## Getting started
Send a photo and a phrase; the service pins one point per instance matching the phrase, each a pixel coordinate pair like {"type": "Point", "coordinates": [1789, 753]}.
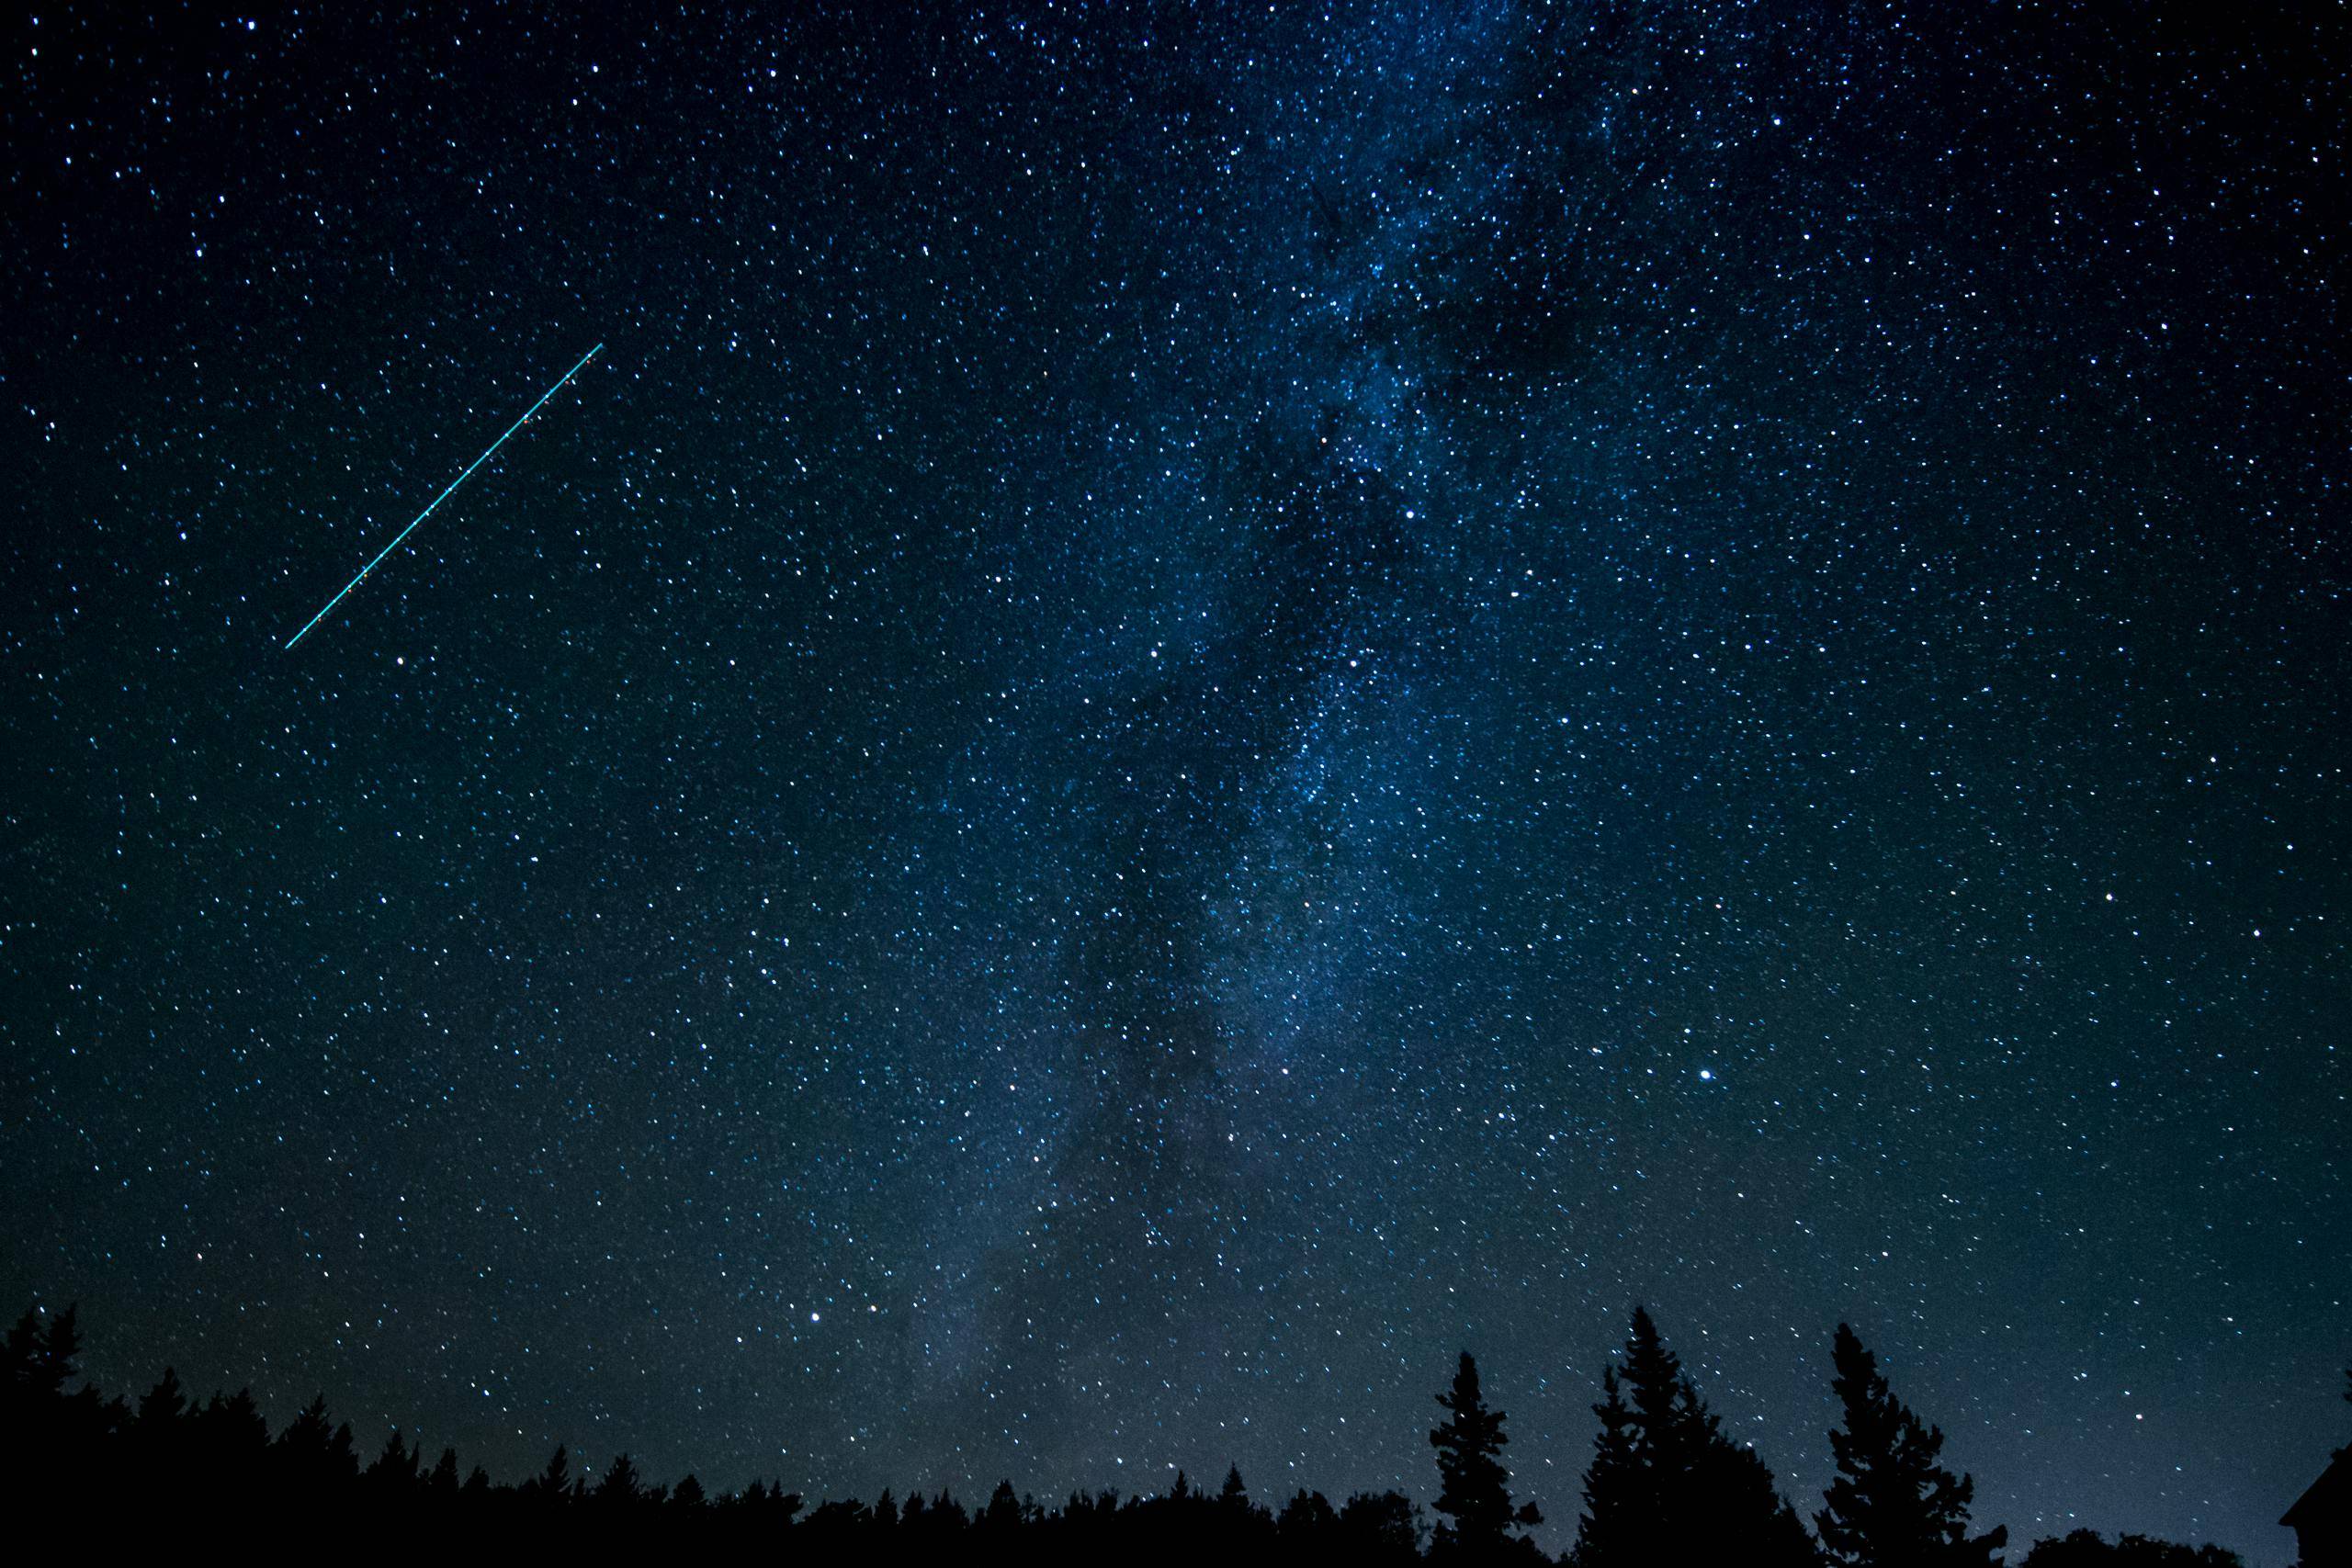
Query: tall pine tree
{"type": "Point", "coordinates": [1474, 1491]}
{"type": "Point", "coordinates": [1892, 1505]}
{"type": "Point", "coordinates": [1667, 1485]}
{"type": "Point", "coordinates": [1616, 1510]}
{"type": "Point", "coordinates": [553, 1484]}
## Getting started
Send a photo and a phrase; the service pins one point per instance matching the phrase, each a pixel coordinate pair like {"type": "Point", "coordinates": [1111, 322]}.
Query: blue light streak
{"type": "Point", "coordinates": [444, 495]}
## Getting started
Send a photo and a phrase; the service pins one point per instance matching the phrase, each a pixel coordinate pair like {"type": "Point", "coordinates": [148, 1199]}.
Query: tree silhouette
{"type": "Point", "coordinates": [1666, 1484]}
{"type": "Point", "coordinates": [622, 1485]}
{"type": "Point", "coordinates": [2087, 1548]}
{"type": "Point", "coordinates": [1380, 1527]}
{"type": "Point", "coordinates": [227, 1445]}
{"type": "Point", "coordinates": [392, 1476]}
{"type": "Point", "coordinates": [41, 1358]}
{"type": "Point", "coordinates": [1665, 1487]}
{"type": "Point", "coordinates": [232, 1429]}
{"type": "Point", "coordinates": [1891, 1505]}
{"type": "Point", "coordinates": [1617, 1501]}
{"type": "Point", "coordinates": [309, 1454]}
{"type": "Point", "coordinates": [1307, 1518]}
{"type": "Point", "coordinates": [553, 1484]}
{"type": "Point", "coordinates": [1003, 1514]}
{"type": "Point", "coordinates": [1474, 1491]}
{"type": "Point", "coordinates": [160, 1407]}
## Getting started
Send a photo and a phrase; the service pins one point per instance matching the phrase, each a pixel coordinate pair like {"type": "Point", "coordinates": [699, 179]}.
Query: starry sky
{"type": "Point", "coordinates": [1204, 701]}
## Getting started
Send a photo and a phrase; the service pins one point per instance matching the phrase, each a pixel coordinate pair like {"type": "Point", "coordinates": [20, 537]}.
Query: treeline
{"type": "Point", "coordinates": [1664, 1485]}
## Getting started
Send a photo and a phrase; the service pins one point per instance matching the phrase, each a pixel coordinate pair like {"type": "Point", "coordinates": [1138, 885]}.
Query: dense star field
{"type": "Point", "coordinates": [1203, 703]}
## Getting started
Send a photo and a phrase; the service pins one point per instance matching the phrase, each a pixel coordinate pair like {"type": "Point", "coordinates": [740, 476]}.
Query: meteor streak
{"type": "Point", "coordinates": [437, 500]}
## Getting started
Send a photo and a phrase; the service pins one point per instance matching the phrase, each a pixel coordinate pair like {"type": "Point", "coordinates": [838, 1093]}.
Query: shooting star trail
{"type": "Point", "coordinates": [444, 495]}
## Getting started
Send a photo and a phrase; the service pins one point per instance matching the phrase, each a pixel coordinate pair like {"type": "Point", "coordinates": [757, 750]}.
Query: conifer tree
{"type": "Point", "coordinates": [236, 1425]}
{"type": "Point", "coordinates": [23, 1354]}
{"type": "Point", "coordinates": [1307, 1518]}
{"type": "Point", "coordinates": [553, 1484]}
{"type": "Point", "coordinates": [392, 1474]}
{"type": "Point", "coordinates": [40, 1359]}
{"type": "Point", "coordinates": [1473, 1490]}
{"type": "Point", "coordinates": [1380, 1527]}
{"type": "Point", "coordinates": [621, 1485]}
{"type": "Point", "coordinates": [161, 1407]}
{"type": "Point", "coordinates": [1664, 1484]}
{"type": "Point", "coordinates": [343, 1455]}
{"type": "Point", "coordinates": [1891, 1504]}
{"type": "Point", "coordinates": [1609, 1530]}
{"type": "Point", "coordinates": [301, 1450]}
{"type": "Point", "coordinates": [2088, 1549]}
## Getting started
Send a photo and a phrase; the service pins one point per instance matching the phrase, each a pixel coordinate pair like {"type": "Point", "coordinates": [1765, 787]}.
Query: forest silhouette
{"type": "Point", "coordinates": [1664, 1485]}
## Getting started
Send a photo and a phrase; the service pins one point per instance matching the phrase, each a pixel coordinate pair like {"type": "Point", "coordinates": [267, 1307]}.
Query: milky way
{"type": "Point", "coordinates": [1203, 704]}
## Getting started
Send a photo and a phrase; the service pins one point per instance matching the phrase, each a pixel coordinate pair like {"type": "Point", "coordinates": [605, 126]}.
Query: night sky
{"type": "Point", "coordinates": [1203, 702]}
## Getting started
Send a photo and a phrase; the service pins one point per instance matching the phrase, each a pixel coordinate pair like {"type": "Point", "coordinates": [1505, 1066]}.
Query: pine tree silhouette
{"type": "Point", "coordinates": [1666, 1484]}
{"type": "Point", "coordinates": [1665, 1487]}
{"type": "Point", "coordinates": [301, 1447]}
{"type": "Point", "coordinates": [23, 1356]}
{"type": "Point", "coordinates": [1473, 1490]}
{"type": "Point", "coordinates": [160, 1407]}
{"type": "Point", "coordinates": [60, 1347]}
{"type": "Point", "coordinates": [1380, 1527]}
{"type": "Point", "coordinates": [392, 1475]}
{"type": "Point", "coordinates": [1891, 1505]}
{"type": "Point", "coordinates": [40, 1356]}
{"type": "Point", "coordinates": [342, 1455]}
{"type": "Point", "coordinates": [52, 1442]}
{"type": "Point", "coordinates": [226, 1443]}
{"type": "Point", "coordinates": [234, 1427]}
{"type": "Point", "coordinates": [2087, 1548]}
{"type": "Point", "coordinates": [553, 1484]}
{"type": "Point", "coordinates": [1004, 1513]}
{"type": "Point", "coordinates": [622, 1486]}
{"type": "Point", "coordinates": [1307, 1518]}
{"type": "Point", "coordinates": [1617, 1504]}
